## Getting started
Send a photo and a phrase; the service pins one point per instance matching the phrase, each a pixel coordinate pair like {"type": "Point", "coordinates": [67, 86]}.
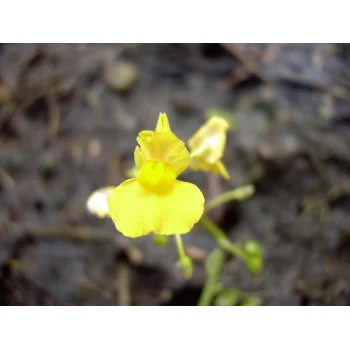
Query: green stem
{"type": "Point", "coordinates": [208, 292]}
{"type": "Point", "coordinates": [221, 238]}
{"type": "Point", "coordinates": [214, 264]}
{"type": "Point", "coordinates": [180, 246]}
{"type": "Point", "coordinates": [239, 194]}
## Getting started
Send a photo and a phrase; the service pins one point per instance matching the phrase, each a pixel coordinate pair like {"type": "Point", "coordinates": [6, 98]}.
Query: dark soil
{"type": "Point", "coordinates": [68, 126]}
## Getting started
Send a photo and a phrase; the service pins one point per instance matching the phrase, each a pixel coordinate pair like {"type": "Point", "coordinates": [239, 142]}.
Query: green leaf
{"type": "Point", "coordinates": [214, 263]}
{"type": "Point", "coordinates": [228, 297]}
{"type": "Point", "coordinates": [252, 301]}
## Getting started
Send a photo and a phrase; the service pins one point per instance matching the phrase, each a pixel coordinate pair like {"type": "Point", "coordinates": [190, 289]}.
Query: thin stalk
{"type": "Point", "coordinates": [221, 238]}
{"type": "Point", "coordinates": [180, 246]}
{"type": "Point", "coordinates": [239, 194]}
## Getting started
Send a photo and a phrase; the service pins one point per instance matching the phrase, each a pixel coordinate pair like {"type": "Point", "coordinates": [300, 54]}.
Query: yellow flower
{"type": "Point", "coordinates": [207, 147]}
{"type": "Point", "coordinates": [155, 201]}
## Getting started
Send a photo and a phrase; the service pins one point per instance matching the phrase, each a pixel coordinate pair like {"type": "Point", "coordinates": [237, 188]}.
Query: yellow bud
{"type": "Point", "coordinates": [207, 146]}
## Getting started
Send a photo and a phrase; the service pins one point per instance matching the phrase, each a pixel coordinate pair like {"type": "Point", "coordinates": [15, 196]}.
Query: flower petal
{"type": "Point", "coordinates": [137, 212]}
{"type": "Point", "coordinates": [175, 152]}
{"type": "Point", "coordinates": [163, 124]}
{"type": "Point", "coordinates": [144, 139]}
{"type": "Point", "coordinates": [139, 157]}
{"type": "Point", "coordinates": [219, 168]}
{"type": "Point", "coordinates": [133, 210]}
{"type": "Point", "coordinates": [210, 139]}
{"type": "Point", "coordinates": [163, 145]}
{"type": "Point", "coordinates": [181, 209]}
{"type": "Point", "coordinates": [199, 163]}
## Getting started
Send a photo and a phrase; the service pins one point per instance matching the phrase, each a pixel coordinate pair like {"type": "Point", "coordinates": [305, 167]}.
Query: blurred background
{"type": "Point", "coordinates": [69, 117]}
